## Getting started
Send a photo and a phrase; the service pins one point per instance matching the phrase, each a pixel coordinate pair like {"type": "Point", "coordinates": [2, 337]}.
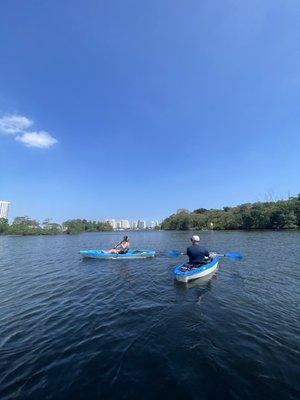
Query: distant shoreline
{"type": "Point", "coordinates": [274, 216]}
{"type": "Point", "coordinates": [154, 230]}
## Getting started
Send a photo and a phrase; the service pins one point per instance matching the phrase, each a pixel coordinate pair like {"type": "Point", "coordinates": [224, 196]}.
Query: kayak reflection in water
{"type": "Point", "coordinates": [122, 247]}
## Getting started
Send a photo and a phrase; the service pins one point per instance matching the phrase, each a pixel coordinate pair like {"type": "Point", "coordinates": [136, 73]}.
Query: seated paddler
{"type": "Point", "coordinates": [197, 253]}
{"type": "Point", "coordinates": [122, 247]}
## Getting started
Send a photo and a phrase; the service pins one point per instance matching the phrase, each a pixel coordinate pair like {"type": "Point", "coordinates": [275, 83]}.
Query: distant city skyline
{"type": "Point", "coordinates": [138, 223]}
{"type": "Point", "coordinates": [133, 224]}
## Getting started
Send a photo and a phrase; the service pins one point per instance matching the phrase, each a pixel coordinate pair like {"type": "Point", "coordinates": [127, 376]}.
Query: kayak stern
{"type": "Point", "coordinates": [203, 270]}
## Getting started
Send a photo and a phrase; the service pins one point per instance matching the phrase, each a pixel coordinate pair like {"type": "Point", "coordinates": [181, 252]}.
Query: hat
{"type": "Point", "coordinates": [195, 238]}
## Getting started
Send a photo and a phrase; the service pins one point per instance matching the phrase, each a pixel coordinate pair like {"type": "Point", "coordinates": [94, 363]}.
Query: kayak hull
{"type": "Point", "coordinates": [105, 255]}
{"type": "Point", "coordinates": [203, 270]}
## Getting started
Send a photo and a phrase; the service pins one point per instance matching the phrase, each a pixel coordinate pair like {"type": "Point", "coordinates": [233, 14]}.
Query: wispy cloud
{"type": "Point", "coordinates": [40, 139]}
{"type": "Point", "coordinates": [18, 125]}
{"type": "Point", "coordinates": [12, 124]}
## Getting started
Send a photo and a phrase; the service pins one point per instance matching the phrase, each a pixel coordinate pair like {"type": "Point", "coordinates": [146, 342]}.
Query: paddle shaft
{"type": "Point", "coordinates": [231, 254]}
{"type": "Point", "coordinates": [234, 255]}
{"type": "Point", "coordinates": [118, 244]}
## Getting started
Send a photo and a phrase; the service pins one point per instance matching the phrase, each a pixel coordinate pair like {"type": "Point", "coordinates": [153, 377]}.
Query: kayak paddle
{"type": "Point", "coordinates": [122, 241]}
{"type": "Point", "coordinates": [118, 244]}
{"type": "Point", "coordinates": [174, 253]}
{"type": "Point", "coordinates": [231, 254]}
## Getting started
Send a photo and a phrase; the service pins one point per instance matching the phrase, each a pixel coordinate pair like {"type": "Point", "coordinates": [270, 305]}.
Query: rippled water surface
{"type": "Point", "coordinates": [120, 329]}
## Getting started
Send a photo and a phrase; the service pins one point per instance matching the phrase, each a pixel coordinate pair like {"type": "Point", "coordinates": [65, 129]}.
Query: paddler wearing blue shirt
{"type": "Point", "coordinates": [197, 254]}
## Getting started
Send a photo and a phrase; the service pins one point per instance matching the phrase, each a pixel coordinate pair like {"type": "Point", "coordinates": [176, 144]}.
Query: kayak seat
{"type": "Point", "coordinates": [188, 267]}
{"type": "Point", "coordinates": [124, 251]}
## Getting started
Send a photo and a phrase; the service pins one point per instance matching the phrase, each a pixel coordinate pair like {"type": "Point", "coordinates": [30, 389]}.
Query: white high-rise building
{"type": "Point", "coordinates": [4, 206]}
{"type": "Point", "coordinates": [124, 224]}
{"type": "Point", "coordinates": [134, 224]}
{"type": "Point", "coordinates": [113, 223]}
{"type": "Point", "coordinates": [141, 224]}
{"type": "Point", "coordinates": [118, 225]}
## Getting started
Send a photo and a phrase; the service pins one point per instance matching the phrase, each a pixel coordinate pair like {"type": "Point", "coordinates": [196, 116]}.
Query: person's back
{"type": "Point", "coordinates": [196, 252]}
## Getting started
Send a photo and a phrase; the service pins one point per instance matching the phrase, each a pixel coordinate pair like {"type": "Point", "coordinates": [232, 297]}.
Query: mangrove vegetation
{"type": "Point", "coordinates": [282, 214]}
{"type": "Point", "coordinates": [28, 226]}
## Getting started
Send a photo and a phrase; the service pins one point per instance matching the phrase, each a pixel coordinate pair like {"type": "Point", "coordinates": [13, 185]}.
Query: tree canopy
{"type": "Point", "coordinates": [82, 225]}
{"type": "Point", "coordinates": [27, 226]}
{"type": "Point", "coordinates": [282, 214]}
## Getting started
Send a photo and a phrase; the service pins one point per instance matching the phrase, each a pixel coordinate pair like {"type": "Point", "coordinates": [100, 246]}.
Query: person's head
{"type": "Point", "coordinates": [125, 239]}
{"type": "Point", "coordinates": [195, 239]}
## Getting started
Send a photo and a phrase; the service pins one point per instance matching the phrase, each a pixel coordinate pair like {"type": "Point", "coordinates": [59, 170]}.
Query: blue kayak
{"type": "Point", "coordinates": [131, 254]}
{"type": "Point", "coordinates": [184, 274]}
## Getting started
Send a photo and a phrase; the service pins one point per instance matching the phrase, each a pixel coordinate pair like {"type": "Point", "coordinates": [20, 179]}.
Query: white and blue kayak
{"type": "Point", "coordinates": [131, 254]}
{"type": "Point", "coordinates": [184, 274]}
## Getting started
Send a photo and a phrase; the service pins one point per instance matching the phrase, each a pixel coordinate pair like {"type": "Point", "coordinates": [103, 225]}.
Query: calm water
{"type": "Point", "coordinates": [95, 329]}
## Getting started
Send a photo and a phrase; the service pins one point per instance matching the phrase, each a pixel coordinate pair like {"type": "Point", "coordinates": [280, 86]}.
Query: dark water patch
{"type": "Point", "coordinates": [125, 329]}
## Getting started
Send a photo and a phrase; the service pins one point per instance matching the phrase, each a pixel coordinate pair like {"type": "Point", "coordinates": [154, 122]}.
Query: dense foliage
{"type": "Point", "coordinates": [82, 225]}
{"type": "Point", "coordinates": [283, 214]}
{"type": "Point", "coordinates": [28, 226]}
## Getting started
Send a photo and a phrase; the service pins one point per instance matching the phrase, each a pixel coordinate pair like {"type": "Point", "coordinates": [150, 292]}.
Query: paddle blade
{"type": "Point", "coordinates": [174, 253]}
{"type": "Point", "coordinates": [234, 254]}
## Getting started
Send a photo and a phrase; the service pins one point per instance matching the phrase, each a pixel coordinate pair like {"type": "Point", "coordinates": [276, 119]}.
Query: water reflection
{"type": "Point", "coordinates": [200, 287]}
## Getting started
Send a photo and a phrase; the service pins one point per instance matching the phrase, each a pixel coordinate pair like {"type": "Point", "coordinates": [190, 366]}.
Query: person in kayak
{"type": "Point", "coordinates": [197, 254]}
{"type": "Point", "coordinates": [122, 247]}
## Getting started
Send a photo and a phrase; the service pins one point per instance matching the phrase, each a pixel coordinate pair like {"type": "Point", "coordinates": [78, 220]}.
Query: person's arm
{"type": "Point", "coordinates": [207, 255]}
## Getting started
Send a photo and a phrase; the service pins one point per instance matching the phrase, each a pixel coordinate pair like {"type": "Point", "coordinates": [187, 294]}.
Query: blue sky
{"type": "Point", "coordinates": [137, 108]}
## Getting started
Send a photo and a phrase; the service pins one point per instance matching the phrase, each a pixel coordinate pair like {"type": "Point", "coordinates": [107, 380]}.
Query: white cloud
{"type": "Point", "coordinates": [40, 139]}
{"type": "Point", "coordinates": [13, 124]}
{"type": "Point", "coordinates": [18, 125]}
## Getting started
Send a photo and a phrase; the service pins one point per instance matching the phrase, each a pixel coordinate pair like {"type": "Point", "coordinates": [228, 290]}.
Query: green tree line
{"type": "Point", "coordinates": [28, 226]}
{"type": "Point", "coordinates": [282, 214]}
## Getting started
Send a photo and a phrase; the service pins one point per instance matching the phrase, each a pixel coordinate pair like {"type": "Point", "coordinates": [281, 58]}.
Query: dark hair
{"type": "Point", "coordinates": [125, 238]}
